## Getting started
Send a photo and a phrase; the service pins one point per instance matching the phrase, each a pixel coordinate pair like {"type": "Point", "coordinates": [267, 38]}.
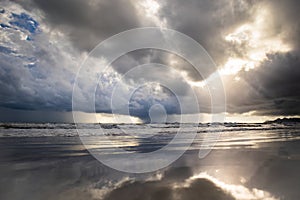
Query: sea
{"type": "Point", "coordinates": [243, 161]}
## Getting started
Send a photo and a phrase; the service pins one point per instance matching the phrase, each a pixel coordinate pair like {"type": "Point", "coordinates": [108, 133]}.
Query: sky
{"type": "Point", "coordinates": [255, 46]}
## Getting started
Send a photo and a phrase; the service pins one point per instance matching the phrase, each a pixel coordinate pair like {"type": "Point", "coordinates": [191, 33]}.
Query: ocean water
{"type": "Point", "coordinates": [244, 161]}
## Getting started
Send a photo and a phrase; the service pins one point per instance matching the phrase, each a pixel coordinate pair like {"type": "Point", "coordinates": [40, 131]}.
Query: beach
{"type": "Point", "coordinates": [49, 161]}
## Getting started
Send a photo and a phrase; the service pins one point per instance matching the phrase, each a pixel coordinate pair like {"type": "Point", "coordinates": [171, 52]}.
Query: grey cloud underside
{"type": "Point", "coordinates": [140, 104]}
{"type": "Point", "coordinates": [88, 22]}
{"type": "Point", "coordinates": [207, 21]}
{"type": "Point", "coordinates": [144, 56]}
{"type": "Point", "coordinates": [44, 82]}
{"type": "Point", "coordinates": [271, 89]}
{"type": "Point", "coordinates": [287, 20]}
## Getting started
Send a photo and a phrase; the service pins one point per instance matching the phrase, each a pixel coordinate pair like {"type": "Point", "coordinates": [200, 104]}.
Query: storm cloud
{"type": "Point", "coordinates": [255, 44]}
{"type": "Point", "coordinates": [87, 23]}
{"type": "Point", "coordinates": [271, 89]}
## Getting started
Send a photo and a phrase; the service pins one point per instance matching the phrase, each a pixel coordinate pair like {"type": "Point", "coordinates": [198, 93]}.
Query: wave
{"type": "Point", "coordinates": [138, 130]}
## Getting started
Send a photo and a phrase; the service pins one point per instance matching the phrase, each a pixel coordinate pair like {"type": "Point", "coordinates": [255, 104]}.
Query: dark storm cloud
{"type": "Point", "coordinates": [278, 80]}
{"type": "Point", "coordinates": [87, 22]}
{"type": "Point", "coordinates": [40, 85]}
{"type": "Point", "coordinates": [21, 90]}
{"type": "Point", "coordinates": [139, 57]}
{"type": "Point", "coordinates": [286, 20]}
{"type": "Point", "coordinates": [271, 89]}
{"type": "Point", "coordinates": [208, 21]}
{"type": "Point", "coordinates": [21, 115]}
{"type": "Point", "coordinates": [144, 98]}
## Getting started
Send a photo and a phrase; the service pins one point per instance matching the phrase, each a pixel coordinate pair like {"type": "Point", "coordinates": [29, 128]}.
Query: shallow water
{"type": "Point", "coordinates": [248, 161]}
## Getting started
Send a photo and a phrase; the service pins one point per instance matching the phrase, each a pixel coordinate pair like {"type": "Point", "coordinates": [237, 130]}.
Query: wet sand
{"type": "Point", "coordinates": [60, 167]}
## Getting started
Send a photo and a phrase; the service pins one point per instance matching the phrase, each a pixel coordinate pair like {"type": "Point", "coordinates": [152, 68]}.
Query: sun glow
{"type": "Point", "coordinates": [150, 9]}
{"type": "Point", "coordinates": [200, 84]}
{"type": "Point", "coordinates": [253, 41]}
{"type": "Point", "coordinates": [234, 65]}
{"type": "Point", "coordinates": [250, 44]}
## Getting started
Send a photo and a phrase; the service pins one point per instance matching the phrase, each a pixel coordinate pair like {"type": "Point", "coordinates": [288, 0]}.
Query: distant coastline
{"type": "Point", "coordinates": [284, 121]}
